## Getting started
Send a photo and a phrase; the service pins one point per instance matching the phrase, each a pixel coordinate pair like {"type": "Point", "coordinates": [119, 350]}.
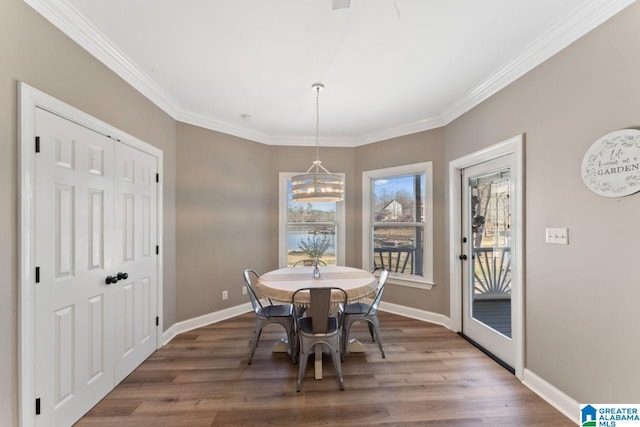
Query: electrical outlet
{"type": "Point", "coordinates": [557, 236]}
{"type": "Point", "coordinates": [225, 295]}
{"type": "Point", "coordinates": [244, 290]}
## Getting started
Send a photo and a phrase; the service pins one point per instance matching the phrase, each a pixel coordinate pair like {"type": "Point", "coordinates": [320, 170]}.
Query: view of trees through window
{"type": "Point", "coordinates": [398, 223]}
{"type": "Point", "coordinates": [491, 234]}
{"type": "Point", "coordinates": [491, 219]}
{"type": "Point", "coordinates": [308, 223]}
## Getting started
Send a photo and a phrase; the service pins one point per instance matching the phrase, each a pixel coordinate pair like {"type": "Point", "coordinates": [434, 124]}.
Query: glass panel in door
{"type": "Point", "coordinates": [490, 276]}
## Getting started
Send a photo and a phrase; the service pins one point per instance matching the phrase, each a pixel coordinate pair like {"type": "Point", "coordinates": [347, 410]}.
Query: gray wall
{"type": "Point", "coordinates": [223, 217]}
{"type": "Point", "coordinates": [419, 147]}
{"type": "Point", "coordinates": [33, 51]}
{"type": "Point", "coordinates": [581, 300]}
{"type": "Point", "coordinates": [227, 211]}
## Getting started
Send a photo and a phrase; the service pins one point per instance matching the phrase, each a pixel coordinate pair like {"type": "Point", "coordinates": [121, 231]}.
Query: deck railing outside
{"type": "Point", "coordinates": [492, 272]}
{"type": "Point", "coordinates": [399, 259]}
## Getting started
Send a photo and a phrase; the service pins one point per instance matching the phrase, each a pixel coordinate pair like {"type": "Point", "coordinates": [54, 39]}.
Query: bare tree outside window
{"type": "Point", "coordinates": [398, 223]}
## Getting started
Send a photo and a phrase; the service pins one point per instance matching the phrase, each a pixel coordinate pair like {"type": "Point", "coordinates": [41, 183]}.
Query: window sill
{"type": "Point", "coordinates": [411, 283]}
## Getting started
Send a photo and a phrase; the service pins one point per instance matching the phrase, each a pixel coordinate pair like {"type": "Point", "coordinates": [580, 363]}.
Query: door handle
{"type": "Point", "coordinates": [463, 257]}
{"type": "Point", "coordinates": [114, 279]}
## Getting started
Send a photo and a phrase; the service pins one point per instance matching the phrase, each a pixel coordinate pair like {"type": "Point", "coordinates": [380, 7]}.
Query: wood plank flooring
{"type": "Point", "coordinates": [430, 377]}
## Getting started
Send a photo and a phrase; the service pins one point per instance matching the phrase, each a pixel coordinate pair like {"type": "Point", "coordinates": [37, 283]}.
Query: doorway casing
{"type": "Point", "coordinates": [512, 146]}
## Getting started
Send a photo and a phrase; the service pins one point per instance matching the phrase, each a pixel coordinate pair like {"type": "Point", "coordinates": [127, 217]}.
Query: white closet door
{"type": "Point", "coordinates": [74, 249]}
{"type": "Point", "coordinates": [135, 254]}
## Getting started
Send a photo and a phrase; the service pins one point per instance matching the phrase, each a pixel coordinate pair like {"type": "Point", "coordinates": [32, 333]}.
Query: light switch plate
{"type": "Point", "coordinates": [557, 236]}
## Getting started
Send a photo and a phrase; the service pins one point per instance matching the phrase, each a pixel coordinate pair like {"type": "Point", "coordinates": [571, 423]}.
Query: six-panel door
{"type": "Point", "coordinates": [95, 217]}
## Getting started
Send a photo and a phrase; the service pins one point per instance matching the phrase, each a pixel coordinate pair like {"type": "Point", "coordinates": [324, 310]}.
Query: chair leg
{"type": "Point", "coordinates": [371, 331]}
{"type": "Point", "coordinates": [256, 337]}
{"type": "Point", "coordinates": [302, 366]}
{"type": "Point", "coordinates": [346, 327]}
{"type": "Point", "coordinates": [293, 346]}
{"type": "Point", "coordinates": [376, 327]}
{"type": "Point", "coordinates": [335, 353]}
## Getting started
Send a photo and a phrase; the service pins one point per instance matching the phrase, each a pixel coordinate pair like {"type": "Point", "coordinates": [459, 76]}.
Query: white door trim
{"type": "Point", "coordinates": [514, 145]}
{"type": "Point", "coordinates": [30, 99]}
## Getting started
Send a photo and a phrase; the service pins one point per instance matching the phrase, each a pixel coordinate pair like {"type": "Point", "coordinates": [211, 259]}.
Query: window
{"type": "Point", "coordinates": [397, 223]}
{"type": "Point", "coordinates": [302, 222]}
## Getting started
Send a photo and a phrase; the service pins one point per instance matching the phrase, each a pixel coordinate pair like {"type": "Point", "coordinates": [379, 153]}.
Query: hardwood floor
{"type": "Point", "coordinates": [430, 377]}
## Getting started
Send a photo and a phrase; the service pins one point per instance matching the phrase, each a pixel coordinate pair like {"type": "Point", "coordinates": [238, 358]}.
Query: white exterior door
{"type": "Point", "coordinates": [135, 255]}
{"type": "Point", "coordinates": [487, 203]}
{"type": "Point", "coordinates": [74, 247]}
{"type": "Point", "coordinates": [95, 216]}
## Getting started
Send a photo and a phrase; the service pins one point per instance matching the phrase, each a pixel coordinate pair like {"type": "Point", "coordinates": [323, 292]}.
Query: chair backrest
{"type": "Point", "coordinates": [384, 275]}
{"type": "Point", "coordinates": [248, 275]}
{"type": "Point", "coordinates": [317, 305]}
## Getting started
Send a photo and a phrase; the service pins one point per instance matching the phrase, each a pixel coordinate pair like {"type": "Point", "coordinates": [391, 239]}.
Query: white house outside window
{"type": "Point", "coordinates": [398, 223]}
{"type": "Point", "coordinates": [304, 222]}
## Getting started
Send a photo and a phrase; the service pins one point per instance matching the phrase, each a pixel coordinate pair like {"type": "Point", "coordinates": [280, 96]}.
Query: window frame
{"type": "Point", "coordinates": [283, 206]}
{"type": "Point", "coordinates": [426, 280]}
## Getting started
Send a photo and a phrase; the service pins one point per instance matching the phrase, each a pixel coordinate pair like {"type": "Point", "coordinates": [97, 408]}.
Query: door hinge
{"type": "Point", "coordinates": [157, 321]}
{"type": "Point", "coordinates": [37, 144]}
{"type": "Point", "coordinates": [38, 406]}
{"type": "Point", "coordinates": [37, 274]}
{"type": "Point", "coordinates": [157, 177]}
{"type": "Point", "coordinates": [157, 250]}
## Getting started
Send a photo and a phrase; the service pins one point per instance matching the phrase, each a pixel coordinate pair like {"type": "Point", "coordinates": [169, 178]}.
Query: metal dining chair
{"type": "Point", "coordinates": [365, 312]}
{"type": "Point", "coordinates": [266, 314]}
{"type": "Point", "coordinates": [318, 326]}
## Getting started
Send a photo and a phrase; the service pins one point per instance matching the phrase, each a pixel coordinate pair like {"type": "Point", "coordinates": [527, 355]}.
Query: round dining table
{"type": "Point", "coordinates": [279, 286]}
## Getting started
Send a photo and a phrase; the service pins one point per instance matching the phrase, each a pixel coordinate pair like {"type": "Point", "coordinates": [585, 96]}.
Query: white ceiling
{"type": "Point", "coordinates": [390, 67]}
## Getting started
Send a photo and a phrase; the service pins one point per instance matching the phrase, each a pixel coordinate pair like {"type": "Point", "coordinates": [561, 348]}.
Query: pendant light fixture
{"type": "Point", "coordinates": [317, 184]}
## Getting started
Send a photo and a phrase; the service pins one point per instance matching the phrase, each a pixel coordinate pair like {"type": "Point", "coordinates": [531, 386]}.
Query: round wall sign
{"type": "Point", "coordinates": [611, 166]}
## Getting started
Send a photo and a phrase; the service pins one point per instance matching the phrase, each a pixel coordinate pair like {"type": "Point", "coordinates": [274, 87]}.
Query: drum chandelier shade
{"type": "Point", "coordinates": [317, 184]}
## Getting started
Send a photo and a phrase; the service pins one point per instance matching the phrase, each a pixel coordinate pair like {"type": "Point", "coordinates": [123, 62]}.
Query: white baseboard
{"type": "Point", "coordinates": [204, 320]}
{"type": "Point", "coordinates": [414, 313]}
{"type": "Point", "coordinates": [169, 334]}
{"type": "Point", "coordinates": [556, 398]}
{"type": "Point", "coordinates": [227, 313]}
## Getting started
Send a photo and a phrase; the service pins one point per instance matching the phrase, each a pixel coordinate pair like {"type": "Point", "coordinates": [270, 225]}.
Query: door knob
{"type": "Point", "coordinates": [123, 276]}
{"type": "Point", "coordinates": [111, 279]}
{"type": "Point", "coordinates": [463, 257]}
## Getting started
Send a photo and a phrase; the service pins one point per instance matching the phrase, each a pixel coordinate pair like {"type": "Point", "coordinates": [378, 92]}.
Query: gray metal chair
{"type": "Point", "coordinates": [318, 327]}
{"type": "Point", "coordinates": [278, 314]}
{"type": "Point", "coordinates": [365, 312]}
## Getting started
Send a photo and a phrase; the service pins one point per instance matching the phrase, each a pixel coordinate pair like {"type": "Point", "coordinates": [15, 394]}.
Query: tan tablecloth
{"type": "Point", "coordinates": [279, 285]}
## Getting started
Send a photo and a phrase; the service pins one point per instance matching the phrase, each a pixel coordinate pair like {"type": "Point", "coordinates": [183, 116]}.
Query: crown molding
{"type": "Point", "coordinates": [586, 18]}
{"type": "Point", "coordinates": [402, 130]}
{"type": "Point", "coordinates": [220, 126]}
{"type": "Point", "coordinates": [71, 22]}
{"type": "Point", "coordinates": [309, 141]}
{"type": "Point", "coordinates": [246, 133]}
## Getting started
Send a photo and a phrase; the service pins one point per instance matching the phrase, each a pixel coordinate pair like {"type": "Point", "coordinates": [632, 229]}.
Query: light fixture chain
{"type": "Point", "coordinates": [317, 127]}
